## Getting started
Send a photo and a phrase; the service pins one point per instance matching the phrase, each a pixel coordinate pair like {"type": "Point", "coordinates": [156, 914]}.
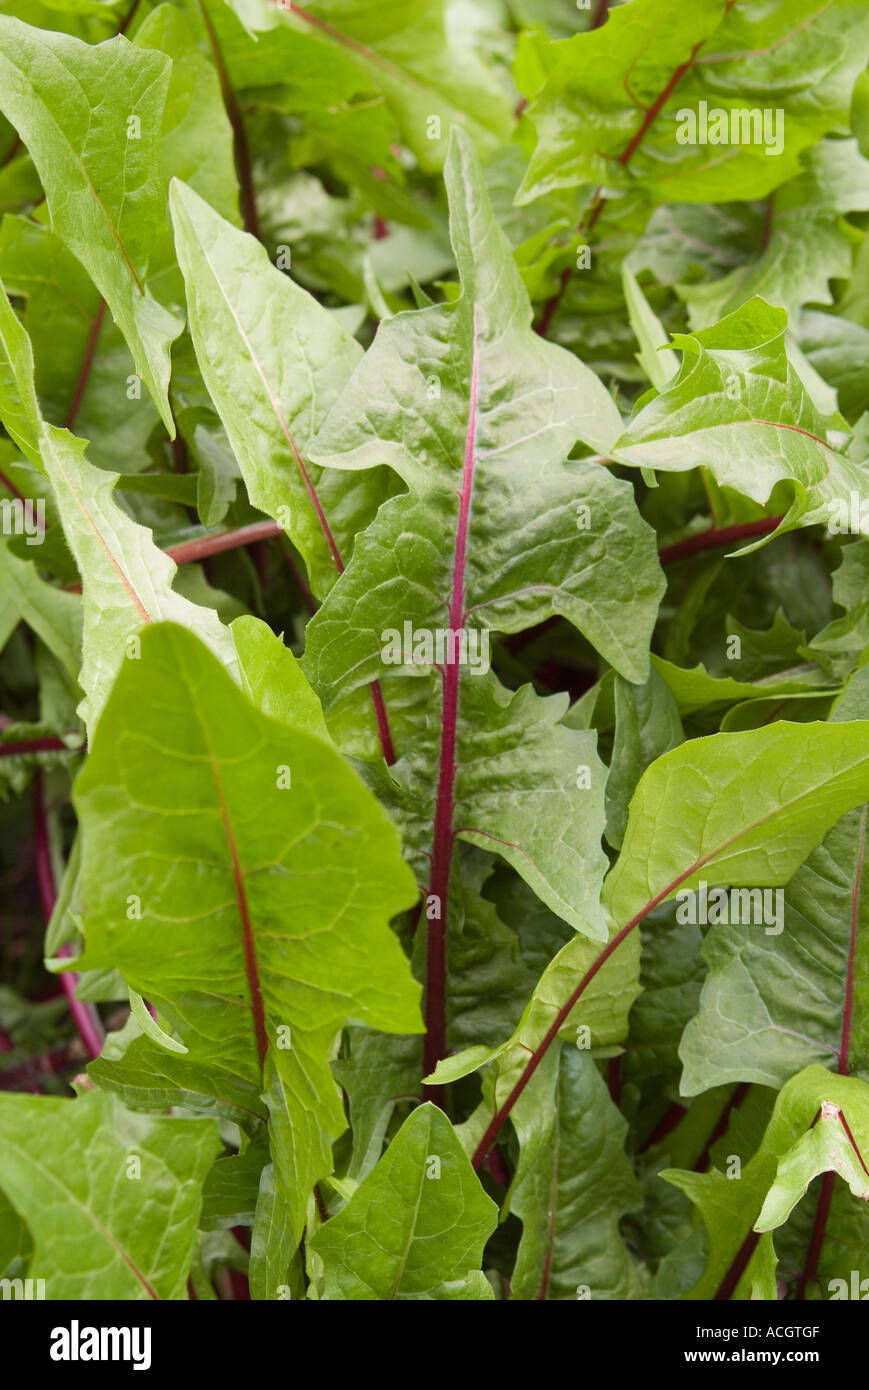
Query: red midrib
{"type": "Point", "coordinates": [825, 1197]}
{"type": "Point", "coordinates": [247, 937]}
{"type": "Point", "coordinates": [540, 1051]}
{"type": "Point", "coordinates": [380, 713]}
{"type": "Point", "coordinates": [442, 841]}
{"type": "Point", "coordinates": [113, 561]}
{"type": "Point", "coordinates": [848, 1010]}
{"type": "Point", "coordinates": [600, 200]}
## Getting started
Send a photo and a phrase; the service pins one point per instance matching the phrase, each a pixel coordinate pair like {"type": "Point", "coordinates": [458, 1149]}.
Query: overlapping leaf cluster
{"type": "Point", "coordinates": [434, 578]}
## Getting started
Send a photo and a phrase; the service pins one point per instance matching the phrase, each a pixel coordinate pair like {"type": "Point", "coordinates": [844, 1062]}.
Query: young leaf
{"type": "Point", "coordinates": [738, 1216]}
{"type": "Point", "coordinates": [573, 1184]}
{"type": "Point", "coordinates": [739, 408]}
{"type": "Point", "coordinates": [418, 1221]}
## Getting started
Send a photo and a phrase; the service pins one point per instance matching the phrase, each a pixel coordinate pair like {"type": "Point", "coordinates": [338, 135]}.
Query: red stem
{"type": "Point", "coordinates": [600, 201]}
{"type": "Point", "coordinates": [665, 1126]}
{"type": "Point", "coordinates": [769, 213]}
{"type": "Point", "coordinates": [36, 745]}
{"type": "Point", "coordinates": [10, 487]}
{"type": "Point", "coordinates": [498, 1168]}
{"type": "Point", "coordinates": [129, 17]}
{"type": "Point", "coordinates": [12, 151]}
{"type": "Point", "coordinates": [819, 1231]}
{"type": "Point", "coordinates": [600, 14]}
{"type": "Point", "coordinates": [734, 1102]}
{"type": "Point", "coordinates": [383, 730]}
{"type": "Point", "coordinates": [717, 536]}
{"type": "Point", "coordinates": [239, 135]}
{"type": "Point", "coordinates": [85, 1016]}
{"type": "Point", "coordinates": [86, 365]}
{"type": "Point", "coordinates": [443, 838]}
{"type": "Point", "coordinates": [848, 1009]}
{"type": "Point", "coordinates": [825, 1198]}
{"type": "Point", "coordinates": [190, 552]}
{"type": "Point", "coordinates": [727, 1288]}
{"type": "Point", "coordinates": [310, 601]}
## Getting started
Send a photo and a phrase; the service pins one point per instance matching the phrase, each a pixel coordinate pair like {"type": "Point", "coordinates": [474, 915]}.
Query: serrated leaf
{"type": "Point", "coordinates": [738, 1216]}
{"type": "Point", "coordinates": [615, 108]}
{"type": "Point", "coordinates": [739, 408]}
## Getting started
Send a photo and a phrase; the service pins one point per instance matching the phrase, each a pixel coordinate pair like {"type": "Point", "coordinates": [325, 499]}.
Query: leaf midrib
{"type": "Point", "coordinates": [33, 1161]}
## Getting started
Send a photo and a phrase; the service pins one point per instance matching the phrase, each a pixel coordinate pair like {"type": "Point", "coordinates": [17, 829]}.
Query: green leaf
{"type": "Point", "coordinates": [647, 725]}
{"type": "Point", "coordinates": [775, 997]}
{"type": "Point", "coordinates": [53, 615]}
{"type": "Point", "coordinates": [615, 109]}
{"type": "Point", "coordinates": [126, 580]}
{"type": "Point", "coordinates": [525, 788]}
{"type": "Point", "coordinates": [828, 1147]}
{"type": "Point", "coordinates": [67, 1165]}
{"type": "Point", "coordinates": [657, 360]}
{"type": "Point", "coordinates": [259, 948]}
{"type": "Point", "coordinates": [476, 413]}
{"type": "Point", "coordinates": [807, 243]}
{"type": "Point", "coordinates": [19, 409]}
{"type": "Point", "coordinates": [419, 1220]}
{"type": "Point", "coordinates": [573, 1184]}
{"type": "Point", "coordinates": [274, 361]}
{"type": "Point", "coordinates": [787, 1159]}
{"type": "Point", "coordinates": [273, 1269]}
{"type": "Point", "coordinates": [273, 678]}
{"type": "Point", "coordinates": [739, 408]}
{"type": "Point", "coordinates": [196, 137]}
{"type": "Point", "coordinates": [405, 51]}
{"type": "Point", "coordinates": [84, 370]}
{"type": "Point", "coordinates": [742, 808]}
{"type": "Point", "coordinates": [72, 105]}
